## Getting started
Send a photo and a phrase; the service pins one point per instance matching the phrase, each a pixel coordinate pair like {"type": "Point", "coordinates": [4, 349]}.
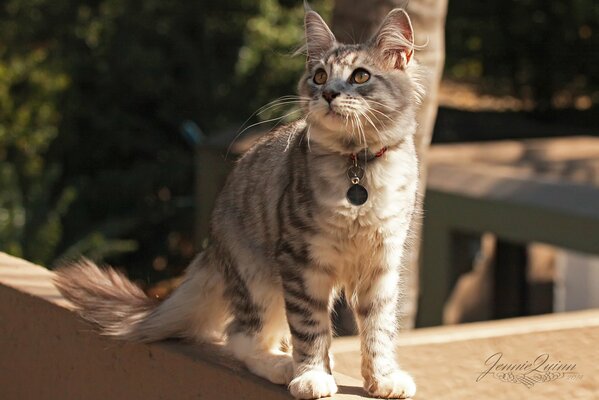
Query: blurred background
{"type": "Point", "coordinates": [104, 104]}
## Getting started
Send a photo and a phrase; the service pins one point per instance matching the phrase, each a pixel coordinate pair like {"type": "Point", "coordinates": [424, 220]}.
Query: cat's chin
{"type": "Point", "coordinates": [332, 141]}
{"type": "Point", "coordinates": [331, 122]}
{"type": "Point", "coordinates": [334, 134]}
{"type": "Point", "coordinates": [336, 116]}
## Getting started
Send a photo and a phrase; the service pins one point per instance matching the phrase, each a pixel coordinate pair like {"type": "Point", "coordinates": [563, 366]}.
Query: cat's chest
{"type": "Point", "coordinates": [389, 205]}
{"type": "Point", "coordinates": [350, 233]}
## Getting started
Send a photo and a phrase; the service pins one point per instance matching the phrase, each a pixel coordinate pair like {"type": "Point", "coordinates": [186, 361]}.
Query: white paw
{"type": "Point", "coordinates": [396, 385]}
{"type": "Point", "coordinates": [277, 368]}
{"type": "Point", "coordinates": [313, 385]}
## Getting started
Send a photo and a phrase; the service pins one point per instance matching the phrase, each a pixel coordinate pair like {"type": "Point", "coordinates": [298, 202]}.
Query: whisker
{"type": "Point", "coordinates": [370, 112]}
{"type": "Point", "coordinates": [365, 115]}
{"type": "Point", "coordinates": [256, 124]}
{"type": "Point", "coordinates": [353, 128]}
{"type": "Point", "coordinates": [368, 99]}
{"type": "Point", "coordinates": [380, 112]}
{"type": "Point", "coordinates": [279, 104]}
{"type": "Point", "coordinates": [362, 133]}
{"type": "Point", "coordinates": [308, 126]}
{"type": "Point", "coordinates": [380, 137]}
{"type": "Point", "coordinates": [261, 110]}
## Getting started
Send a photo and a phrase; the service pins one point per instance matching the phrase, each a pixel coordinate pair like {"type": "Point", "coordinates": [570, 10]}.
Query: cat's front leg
{"type": "Point", "coordinates": [377, 320]}
{"type": "Point", "coordinates": [308, 298]}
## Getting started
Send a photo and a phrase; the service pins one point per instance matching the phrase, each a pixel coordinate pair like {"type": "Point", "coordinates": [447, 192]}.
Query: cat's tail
{"type": "Point", "coordinates": [120, 309]}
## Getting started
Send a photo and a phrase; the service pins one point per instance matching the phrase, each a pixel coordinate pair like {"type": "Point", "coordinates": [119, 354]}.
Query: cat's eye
{"type": "Point", "coordinates": [320, 77]}
{"type": "Point", "coordinates": [360, 76]}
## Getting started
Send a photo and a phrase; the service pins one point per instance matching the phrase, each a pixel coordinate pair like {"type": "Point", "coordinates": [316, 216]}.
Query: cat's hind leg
{"type": "Point", "coordinates": [258, 332]}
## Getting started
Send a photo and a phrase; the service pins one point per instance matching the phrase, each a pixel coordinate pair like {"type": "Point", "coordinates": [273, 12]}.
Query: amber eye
{"type": "Point", "coordinates": [360, 76]}
{"type": "Point", "coordinates": [320, 77]}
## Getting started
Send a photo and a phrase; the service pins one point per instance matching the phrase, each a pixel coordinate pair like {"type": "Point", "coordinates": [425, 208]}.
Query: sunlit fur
{"type": "Point", "coordinates": [285, 241]}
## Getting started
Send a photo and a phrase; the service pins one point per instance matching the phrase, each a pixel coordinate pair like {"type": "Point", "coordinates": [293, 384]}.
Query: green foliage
{"type": "Point", "coordinates": [30, 87]}
{"type": "Point", "coordinates": [92, 97]}
{"type": "Point", "coordinates": [266, 64]}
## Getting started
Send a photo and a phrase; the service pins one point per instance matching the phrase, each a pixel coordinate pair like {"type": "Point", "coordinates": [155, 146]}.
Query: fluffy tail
{"type": "Point", "coordinates": [108, 299]}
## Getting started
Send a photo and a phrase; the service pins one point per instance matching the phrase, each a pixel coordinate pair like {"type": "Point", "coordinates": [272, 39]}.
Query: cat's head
{"type": "Point", "coordinates": [359, 95]}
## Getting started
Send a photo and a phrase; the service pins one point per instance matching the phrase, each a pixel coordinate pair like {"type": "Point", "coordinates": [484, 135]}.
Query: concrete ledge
{"type": "Point", "coordinates": [46, 352]}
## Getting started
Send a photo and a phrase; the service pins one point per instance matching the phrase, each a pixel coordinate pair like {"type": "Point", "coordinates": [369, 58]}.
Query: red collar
{"type": "Point", "coordinates": [354, 156]}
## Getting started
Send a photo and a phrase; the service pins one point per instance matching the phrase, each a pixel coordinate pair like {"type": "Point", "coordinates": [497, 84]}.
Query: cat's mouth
{"type": "Point", "coordinates": [335, 114]}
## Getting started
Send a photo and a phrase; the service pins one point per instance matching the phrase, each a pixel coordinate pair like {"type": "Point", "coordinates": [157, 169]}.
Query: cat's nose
{"type": "Point", "coordinates": [329, 95]}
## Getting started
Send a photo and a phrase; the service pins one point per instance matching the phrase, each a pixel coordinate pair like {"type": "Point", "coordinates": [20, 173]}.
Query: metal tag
{"type": "Point", "coordinates": [357, 195]}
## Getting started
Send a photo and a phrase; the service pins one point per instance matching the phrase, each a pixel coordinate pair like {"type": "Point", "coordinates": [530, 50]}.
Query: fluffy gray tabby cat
{"type": "Point", "coordinates": [285, 237]}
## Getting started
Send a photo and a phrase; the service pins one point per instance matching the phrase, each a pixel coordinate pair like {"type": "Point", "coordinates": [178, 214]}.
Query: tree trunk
{"type": "Point", "coordinates": [356, 21]}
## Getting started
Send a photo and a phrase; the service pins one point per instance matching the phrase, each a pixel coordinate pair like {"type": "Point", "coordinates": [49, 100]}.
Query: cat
{"type": "Point", "coordinates": [316, 207]}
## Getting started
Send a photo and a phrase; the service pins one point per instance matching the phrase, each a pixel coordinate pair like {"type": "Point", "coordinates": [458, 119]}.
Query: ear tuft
{"type": "Point", "coordinates": [307, 6]}
{"type": "Point", "coordinates": [319, 38]}
{"type": "Point", "coordinates": [395, 39]}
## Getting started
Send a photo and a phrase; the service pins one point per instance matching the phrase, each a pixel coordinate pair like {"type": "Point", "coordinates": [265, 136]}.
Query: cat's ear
{"type": "Point", "coordinates": [319, 38]}
{"type": "Point", "coordinates": [395, 39]}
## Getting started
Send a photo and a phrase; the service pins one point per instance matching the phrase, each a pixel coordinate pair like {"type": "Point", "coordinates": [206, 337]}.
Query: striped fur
{"type": "Point", "coordinates": [285, 241]}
